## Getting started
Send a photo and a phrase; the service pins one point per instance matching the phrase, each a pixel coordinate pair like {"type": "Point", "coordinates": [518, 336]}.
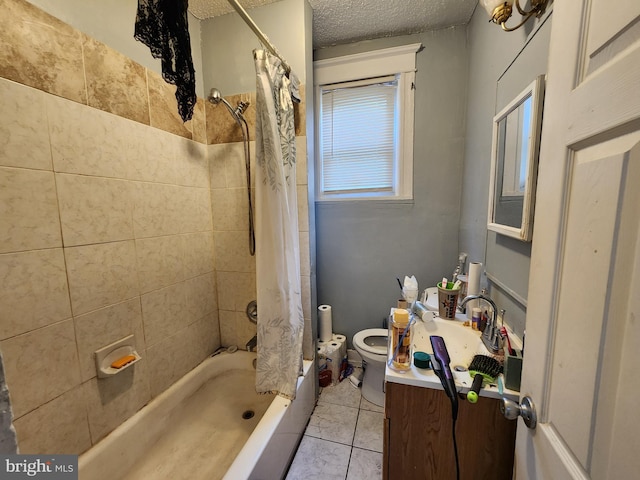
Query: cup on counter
{"type": "Point", "coordinates": [447, 300]}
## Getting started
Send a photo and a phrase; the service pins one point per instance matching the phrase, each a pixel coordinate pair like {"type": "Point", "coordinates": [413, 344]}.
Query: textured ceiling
{"type": "Point", "coordinates": [345, 21]}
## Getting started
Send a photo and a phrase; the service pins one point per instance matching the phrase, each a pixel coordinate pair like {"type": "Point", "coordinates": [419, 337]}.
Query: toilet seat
{"type": "Point", "coordinates": [360, 337]}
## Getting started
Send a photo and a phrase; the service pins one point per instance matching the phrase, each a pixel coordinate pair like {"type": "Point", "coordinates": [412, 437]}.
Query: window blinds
{"type": "Point", "coordinates": [359, 137]}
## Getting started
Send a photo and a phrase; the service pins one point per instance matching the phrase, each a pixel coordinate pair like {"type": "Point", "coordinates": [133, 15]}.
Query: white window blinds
{"type": "Point", "coordinates": [359, 136]}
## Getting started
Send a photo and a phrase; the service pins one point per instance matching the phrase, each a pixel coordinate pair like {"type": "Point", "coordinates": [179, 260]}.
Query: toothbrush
{"type": "Point", "coordinates": [503, 332]}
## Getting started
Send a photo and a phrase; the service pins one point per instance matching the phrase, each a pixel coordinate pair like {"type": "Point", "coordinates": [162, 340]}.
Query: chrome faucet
{"type": "Point", "coordinates": [252, 344]}
{"type": "Point", "coordinates": [490, 336]}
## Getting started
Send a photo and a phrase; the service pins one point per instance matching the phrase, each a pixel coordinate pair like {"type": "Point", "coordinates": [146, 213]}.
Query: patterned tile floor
{"type": "Point", "coordinates": [343, 440]}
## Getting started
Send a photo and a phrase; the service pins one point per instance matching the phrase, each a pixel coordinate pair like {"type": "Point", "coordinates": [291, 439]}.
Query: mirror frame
{"type": "Point", "coordinates": [535, 91]}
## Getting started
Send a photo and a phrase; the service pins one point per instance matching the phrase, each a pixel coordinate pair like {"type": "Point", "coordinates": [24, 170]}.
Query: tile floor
{"type": "Point", "coordinates": [343, 440]}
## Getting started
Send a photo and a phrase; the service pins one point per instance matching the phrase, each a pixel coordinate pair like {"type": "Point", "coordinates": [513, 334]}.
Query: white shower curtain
{"type": "Point", "coordinates": [280, 317]}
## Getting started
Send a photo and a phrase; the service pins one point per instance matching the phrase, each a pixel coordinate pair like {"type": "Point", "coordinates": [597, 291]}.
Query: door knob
{"type": "Point", "coordinates": [526, 410]}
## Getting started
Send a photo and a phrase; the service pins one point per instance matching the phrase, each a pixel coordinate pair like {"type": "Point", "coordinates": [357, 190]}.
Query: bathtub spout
{"type": "Point", "coordinates": [252, 344]}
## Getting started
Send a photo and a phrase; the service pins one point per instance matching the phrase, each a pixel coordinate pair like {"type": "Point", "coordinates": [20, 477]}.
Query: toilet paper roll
{"type": "Point", "coordinates": [473, 284]}
{"type": "Point", "coordinates": [331, 355]}
{"type": "Point", "coordinates": [336, 337]}
{"type": "Point", "coordinates": [325, 331]}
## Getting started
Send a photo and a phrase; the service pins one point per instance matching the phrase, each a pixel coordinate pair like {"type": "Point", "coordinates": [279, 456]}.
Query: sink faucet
{"type": "Point", "coordinates": [252, 344]}
{"type": "Point", "coordinates": [490, 336]}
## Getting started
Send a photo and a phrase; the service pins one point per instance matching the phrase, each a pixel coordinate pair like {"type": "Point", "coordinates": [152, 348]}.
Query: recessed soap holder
{"type": "Point", "coordinates": [105, 356]}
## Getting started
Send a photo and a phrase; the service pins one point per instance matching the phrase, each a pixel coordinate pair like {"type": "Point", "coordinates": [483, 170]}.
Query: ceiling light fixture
{"type": "Point", "coordinates": [500, 11]}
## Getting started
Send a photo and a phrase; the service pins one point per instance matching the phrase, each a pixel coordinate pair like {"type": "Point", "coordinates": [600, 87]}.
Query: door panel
{"type": "Point", "coordinates": [583, 321]}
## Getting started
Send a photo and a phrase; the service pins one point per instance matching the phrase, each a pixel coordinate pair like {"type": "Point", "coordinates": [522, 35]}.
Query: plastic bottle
{"type": "Point", "coordinates": [476, 318]}
{"type": "Point", "coordinates": [399, 352]}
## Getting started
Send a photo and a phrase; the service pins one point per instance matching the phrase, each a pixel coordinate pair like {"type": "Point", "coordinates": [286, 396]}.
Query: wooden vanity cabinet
{"type": "Point", "coordinates": [418, 443]}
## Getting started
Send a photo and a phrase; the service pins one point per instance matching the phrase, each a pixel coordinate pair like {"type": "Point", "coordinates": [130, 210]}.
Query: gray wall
{"type": "Point", "coordinates": [227, 43]}
{"type": "Point", "coordinates": [501, 65]}
{"type": "Point", "coordinates": [112, 22]}
{"type": "Point", "coordinates": [363, 246]}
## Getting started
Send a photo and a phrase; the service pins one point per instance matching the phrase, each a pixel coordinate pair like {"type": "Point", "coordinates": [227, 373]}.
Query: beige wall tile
{"type": "Point", "coordinates": [301, 160]}
{"type": "Point", "coordinates": [303, 209]}
{"type": "Point", "coordinates": [24, 139]}
{"type": "Point", "coordinates": [169, 360]}
{"type": "Point", "coordinates": [111, 401]}
{"type": "Point", "coordinates": [40, 365]}
{"type": "Point", "coordinates": [203, 338]}
{"type": "Point", "coordinates": [152, 155]}
{"type": "Point", "coordinates": [305, 263]}
{"type": "Point", "coordinates": [199, 122]}
{"type": "Point", "coordinates": [163, 106]}
{"type": "Point", "coordinates": [88, 141]}
{"type": "Point", "coordinates": [28, 209]}
{"type": "Point", "coordinates": [192, 162]}
{"type": "Point", "coordinates": [227, 322]}
{"type": "Point", "coordinates": [41, 51]}
{"type": "Point", "coordinates": [103, 327]}
{"type": "Point", "coordinates": [230, 209]}
{"type": "Point", "coordinates": [232, 252]}
{"type": "Point", "coordinates": [196, 209]}
{"type": "Point", "coordinates": [164, 312]}
{"type": "Point", "coordinates": [245, 330]}
{"type": "Point", "coordinates": [59, 426]}
{"type": "Point", "coordinates": [235, 290]}
{"type": "Point", "coordinates": [235, 165]}
{"type": "Point", "coordinates": [305, 286]}
{"type": "Point", "coordinates": [236, 329]}
{"type": "Point", "coordinates": [115, 83]}
{"type": "Point", "coordinates": [300, 113]}
{"type": "Point", "coordinates": [198, 253]}
{"type": "Point", "coordinates": [160, 262]}
{"type": "Point", "coordinates": [33, 291]}
{"type": "Point", "coordinates": [94, 210]}
{"type": "Point", "coordinates": [221, 127]}
{"type": "Point", "coordinates": [158, 210]}
{"type": "Point", "coordinates": [101, 275]}
{"type": "Point", "coordinates": [201, 296]}
{"type": "Point", "coordinates": [217, 164]}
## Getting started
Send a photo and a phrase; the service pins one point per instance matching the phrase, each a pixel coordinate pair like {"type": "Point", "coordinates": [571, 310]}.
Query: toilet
{"type": "Point", "coordinates": [371, 344]}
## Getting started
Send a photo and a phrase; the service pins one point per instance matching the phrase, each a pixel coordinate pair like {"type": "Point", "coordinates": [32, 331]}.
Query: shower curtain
{"type": "Point", "coordinates": [280, 317]}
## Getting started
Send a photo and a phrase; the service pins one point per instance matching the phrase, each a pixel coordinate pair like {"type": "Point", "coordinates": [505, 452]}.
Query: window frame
{"type": "Point", "coordinates": [396, 61]}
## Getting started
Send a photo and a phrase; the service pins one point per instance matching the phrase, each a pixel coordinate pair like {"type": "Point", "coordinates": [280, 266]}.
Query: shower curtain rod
{"type": "Point", "coordinates": [263, 38]}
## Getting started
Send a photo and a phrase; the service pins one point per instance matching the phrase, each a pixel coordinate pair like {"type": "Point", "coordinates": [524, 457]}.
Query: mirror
{"type": "Point", "coordinates": [514, 163]}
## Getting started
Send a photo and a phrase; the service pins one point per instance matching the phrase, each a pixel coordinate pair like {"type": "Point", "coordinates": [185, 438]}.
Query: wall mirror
{"type": "Point", "coordinates": [514, 163]}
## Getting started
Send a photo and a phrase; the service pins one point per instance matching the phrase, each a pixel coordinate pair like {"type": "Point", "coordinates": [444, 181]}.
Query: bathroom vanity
{"type": "Point", "coordinates": [418, 440]}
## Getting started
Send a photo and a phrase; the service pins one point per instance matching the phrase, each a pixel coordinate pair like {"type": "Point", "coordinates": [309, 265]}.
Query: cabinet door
{"type": "Point", "coordinates": [420, 443]}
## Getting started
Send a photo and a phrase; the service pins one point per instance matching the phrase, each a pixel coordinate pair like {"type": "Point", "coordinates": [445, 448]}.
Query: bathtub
{"type": "Point", "coordinates": [197, 429]}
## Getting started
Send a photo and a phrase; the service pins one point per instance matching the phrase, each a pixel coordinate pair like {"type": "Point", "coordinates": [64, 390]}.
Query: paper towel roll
{"type": "Point", "coordinates": [473, 285]}
{"type": "Point", "coordinates": [325, 331]}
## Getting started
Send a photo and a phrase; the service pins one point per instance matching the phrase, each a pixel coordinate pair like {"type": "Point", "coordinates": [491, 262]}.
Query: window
{"type": "Point", "coordinates": [364, 139]}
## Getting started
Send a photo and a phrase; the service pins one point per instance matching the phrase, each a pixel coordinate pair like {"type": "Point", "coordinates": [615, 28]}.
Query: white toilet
{"type": "Point", "coordinates": [371, 344]}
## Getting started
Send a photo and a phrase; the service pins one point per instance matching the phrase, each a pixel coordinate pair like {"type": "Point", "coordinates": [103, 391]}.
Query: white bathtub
{"type": "Point", "coordinates": [195, 430]}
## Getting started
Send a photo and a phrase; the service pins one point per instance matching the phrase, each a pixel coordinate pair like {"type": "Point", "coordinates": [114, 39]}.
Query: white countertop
{"type": "Point", "coordinates": [462, 344]}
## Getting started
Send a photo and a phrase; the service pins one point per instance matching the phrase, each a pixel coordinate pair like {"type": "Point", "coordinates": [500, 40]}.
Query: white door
{"type": "Point", "coordinates": [582, 365]}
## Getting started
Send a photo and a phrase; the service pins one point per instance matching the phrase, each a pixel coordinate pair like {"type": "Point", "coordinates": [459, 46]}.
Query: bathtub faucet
{"type": "Point", "coordinates": [252, 344]}
{"type": "Point", "coordinates": [490, 336]}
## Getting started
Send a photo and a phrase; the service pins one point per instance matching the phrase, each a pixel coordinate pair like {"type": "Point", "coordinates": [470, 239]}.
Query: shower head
{"type": "Point", "coordinates": [216, 97]}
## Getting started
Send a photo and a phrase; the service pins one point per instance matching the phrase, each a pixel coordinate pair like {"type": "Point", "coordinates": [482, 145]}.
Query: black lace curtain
{"type": "Point", "coordinates": [162, 26]}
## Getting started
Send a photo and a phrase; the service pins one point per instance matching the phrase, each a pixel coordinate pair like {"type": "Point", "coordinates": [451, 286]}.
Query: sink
{"type": "Point", "coordinates": [462, 342]}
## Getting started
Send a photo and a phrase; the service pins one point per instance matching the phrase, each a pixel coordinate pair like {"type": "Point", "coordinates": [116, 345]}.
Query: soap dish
{"type": "Point", "coordinates": [105, 356]}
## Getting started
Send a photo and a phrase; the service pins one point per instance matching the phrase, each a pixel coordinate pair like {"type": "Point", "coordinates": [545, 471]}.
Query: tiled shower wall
{"type": "Point", "coordinates": [110, 208]}
{"type": "Point", "coordinates": [235, 268]}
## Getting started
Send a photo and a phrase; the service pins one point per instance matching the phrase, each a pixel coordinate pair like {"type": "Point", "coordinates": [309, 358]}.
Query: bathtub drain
{"type": "Point", "coordinates": [247, 414]}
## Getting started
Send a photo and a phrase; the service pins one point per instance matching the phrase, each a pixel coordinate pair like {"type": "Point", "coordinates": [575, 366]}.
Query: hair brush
{"type": "Point", "coordinates": [483, 369]}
